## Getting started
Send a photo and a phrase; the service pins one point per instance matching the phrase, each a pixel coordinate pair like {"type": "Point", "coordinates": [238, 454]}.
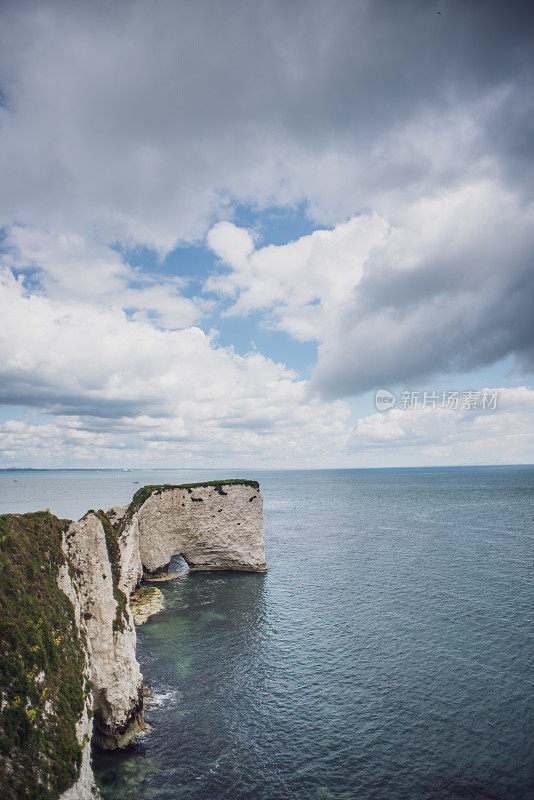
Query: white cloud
{"type": "Point", "coordinates": [231, 243]}
{"type": "Point", "coordinates": [116, 383]}
{"type": "Point", "coordinates": [447, 286]}
{"type": "Point", "coordinates": [123, 391]}
{"type": "Point", "coordinates": [427, 435]}
{"type": "Point", "coordinates": [68, 266]}
{"type": "Point", "coordinates": [304, 283]}
{"type": "Point", "coordinates": [309, 436]}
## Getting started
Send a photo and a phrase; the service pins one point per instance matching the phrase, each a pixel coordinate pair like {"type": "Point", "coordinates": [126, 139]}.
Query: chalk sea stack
{"type": "Point", "coordinates": [68, 670]}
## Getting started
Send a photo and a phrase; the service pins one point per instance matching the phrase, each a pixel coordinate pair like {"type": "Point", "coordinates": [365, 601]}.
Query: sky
{"type": "Point", "coordinates": [224, 226]}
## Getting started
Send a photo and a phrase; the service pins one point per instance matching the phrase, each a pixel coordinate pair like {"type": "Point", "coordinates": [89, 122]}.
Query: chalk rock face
{"type": "Point", "coordinates": [216, 526]}
{"type": "Point", "coordinates": [85, 786]}
{"type": "Point", "coordinates": [117, 680]}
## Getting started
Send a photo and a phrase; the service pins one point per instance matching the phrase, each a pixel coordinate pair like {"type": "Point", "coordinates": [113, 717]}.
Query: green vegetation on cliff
{"type": "Point", "coordinates": [112, 534]}
{"type": "Point", "coordinates": [114, 553]}
{"type": "Point", "coordinates": [42, 690]}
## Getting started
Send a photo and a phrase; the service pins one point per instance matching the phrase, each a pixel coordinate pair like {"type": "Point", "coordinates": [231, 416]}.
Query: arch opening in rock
{"type": "Point", "coordinates": [178, 565]}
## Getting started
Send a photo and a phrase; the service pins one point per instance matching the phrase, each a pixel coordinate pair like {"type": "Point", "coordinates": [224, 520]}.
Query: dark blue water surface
{"type": "Point", "coordinates": [385, 655]}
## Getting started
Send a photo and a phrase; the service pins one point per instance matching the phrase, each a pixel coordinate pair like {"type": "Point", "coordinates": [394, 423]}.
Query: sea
{"type": "Point", "coordinates": [386, 655]}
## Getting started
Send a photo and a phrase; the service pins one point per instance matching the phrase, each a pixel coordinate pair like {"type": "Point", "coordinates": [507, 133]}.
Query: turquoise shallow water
{"type": "Point", "coordinates": [385, 655]}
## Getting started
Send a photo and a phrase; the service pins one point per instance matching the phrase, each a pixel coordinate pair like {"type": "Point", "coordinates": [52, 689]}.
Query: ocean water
{"type": "Point", "coordinates": [387, 653]}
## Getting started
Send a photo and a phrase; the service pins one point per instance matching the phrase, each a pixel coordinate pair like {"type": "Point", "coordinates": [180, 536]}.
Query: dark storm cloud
{"type": "Point", "coordinates": [142, 116]}
{"type": "Point", "coordinates": [409, 338]}
{"type": "Point", "coordinates": [466, 302]}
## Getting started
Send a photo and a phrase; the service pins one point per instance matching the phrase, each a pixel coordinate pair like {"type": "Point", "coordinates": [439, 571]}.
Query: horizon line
{"type": "Point", "coordinates": [256, 469]}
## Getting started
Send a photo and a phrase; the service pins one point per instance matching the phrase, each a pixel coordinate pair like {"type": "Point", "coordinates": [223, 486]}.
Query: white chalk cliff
{"type": "Point", "coordinates": [217, 525]}
{"type": "Point", "coordinates": [116, 677]}
{"type": "Point", "coordinates": [212, 527]}
{"type": "Point", "coordinates": [70, 584]}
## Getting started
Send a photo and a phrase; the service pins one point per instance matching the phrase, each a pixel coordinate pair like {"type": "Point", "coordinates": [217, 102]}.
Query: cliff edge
{"type": "Point", "coordinates": [68, 669]}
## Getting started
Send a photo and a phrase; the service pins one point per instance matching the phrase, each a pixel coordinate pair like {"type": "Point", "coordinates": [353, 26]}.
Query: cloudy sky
{"type": "Point", "coordinates": [225, 225]}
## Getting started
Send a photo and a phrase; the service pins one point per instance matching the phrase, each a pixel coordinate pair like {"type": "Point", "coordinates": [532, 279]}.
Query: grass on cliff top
{"type": "Point", "coordinates": [146, 491]}
{"type": "Point", "coordinates": [42, 693]}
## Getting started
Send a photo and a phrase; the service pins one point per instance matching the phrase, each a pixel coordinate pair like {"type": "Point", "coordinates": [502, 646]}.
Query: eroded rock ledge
{"type": "Point", "coordinates": [145, 602]}
{"type": "Point", "coordinates": [67, 636]}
